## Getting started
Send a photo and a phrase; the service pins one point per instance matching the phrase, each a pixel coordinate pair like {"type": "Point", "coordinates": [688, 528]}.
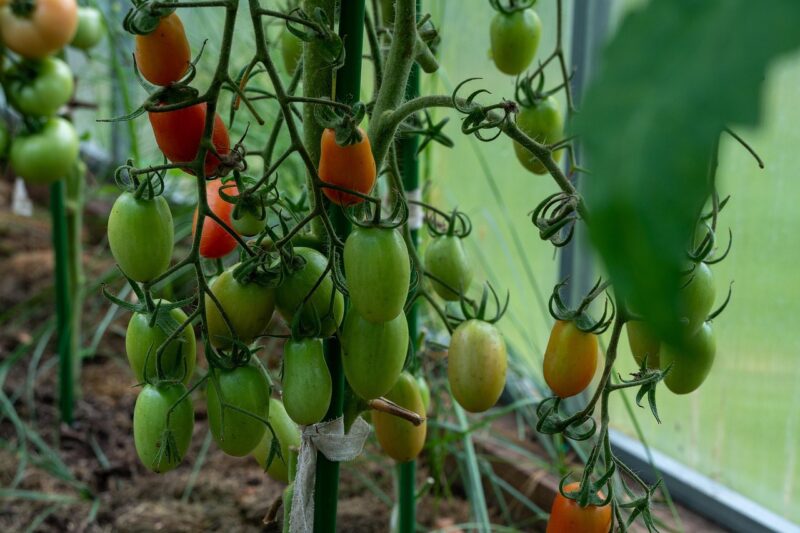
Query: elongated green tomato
{"type": "Point", "coordinates": [373, 354]}
{"type": "Point", "coordinates": [142, 342]}
{"type": "Point", "coordinates": [446, 260]}
{"type": "Point", "coordinates": [246, 389]}
{"type": "Point", "coordinates": [696, 298]}
{"type": "Point", "coordinates": [248, 306]}
{"type": "Point", "coordinates": [477, 364]}
{"type": "Point", "coordinates": [542, 123]}
{"type": "Point", "coordinates": [91, 28]}
{"type": "Point", "coordinates": [46, 155]}
{"type": "Point", "coordinates": [307, 385]}
{"type": "Point", "coordinates": [515, 38]}
{"type": "Point", "coordinates": [643, 343]}
{"type": "Point", "coordinates": [291, 51]}
{"type": "Point", "coordinates": [378, 272]}
{"type": "Point", "coordinates": [141, 236]}
{"type": "Point", "coordinates": [326, 304]}
{"type": "Point", "coordinates": [288, 435]}
{"type": "Point", "coordinates": [691, 365]}
{"type": "Point", "coordinates": [400, 439]}
{"type": "Point", "coordinates": [425, 392]}
{"type": "Point", "coordinates": [570, 359]}
{"type": "Point", "coordinates": [39, 88]}
{"type": "Point", "coordinates": [161, 446]}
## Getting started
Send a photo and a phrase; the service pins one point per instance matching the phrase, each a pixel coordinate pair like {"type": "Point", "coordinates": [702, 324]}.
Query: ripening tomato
{"type": "Point", "coordinates": [142, 341]}
{"type": "Point", "coordinates": [247, 389]}
{"type": "Point", "coordinates": [542, 123]}
{"type": "Point", "coordinates": [248, 306]}
{"type": "Point", "coordinates": [477, 365]}
{"type": "Point", "coordinates": [46, 155]}
{"type": "Point", "coordinates": [691, 364]}
{"type": "Point", "coordinates": [515, 38]}
{"type": "Point", "coordinates": [288, 435]}
{"type": "Point", "coordinates": [163, 55]}
{"type": "Point", "coordinates": [570, 359]}
{"type": "Point", "coordinates": [91, 28]}
{"type": "Point", "coordinates": [39, 88]}
{"type": "Point", "coordinates": [178, 134]}
{"type": "Point", "coordinates": [696, 299]}
{"type": "Point", "coordinates": [351, 167]}
{"type": "Point", "coordinates": [378, 272]}
{"type": "Point", "coordinates": [307, 384]}
{"type": "Point", "coordinates": [291, 50]}
{"type": "Point", "coordinates": [141, 236]}
{"type": "Point", "coordinates": [400, 439]}
{"type": "Point", "coordinates": [567, 516]}
{"type": "Point", "coordinates": [215, 242]}
{"type": "Point", "coordinates": [156, 452]}
{"type": "Point", "coordinates": [643, 342]}
{"type": "Point", "coordinates": [447, 262]}
{"type": "Point", "coordinates": [40, 28]}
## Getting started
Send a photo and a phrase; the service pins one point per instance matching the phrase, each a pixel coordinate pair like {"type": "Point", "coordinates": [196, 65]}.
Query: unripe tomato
{"type": "Point", "coordinates": [291, 50]}
{"type": "Point", "coordinates": [288, 435]}
{"type": "Point", "coordinates": [570, 359]}
{"type": "Point", "coordinates": [143, 341]}
{"type": "Point", "coordinates": [150, 424]}
{"type": "Point", "coordinates": [542, 123]}
{"type": "Point", "coordinates": [247, 220]}
{"type": "Point", "coordinates": [515, 38]}
{"type": "Point", "coordinates": [690, 365]}
{"type": "Point", "coordinates": [295, 287]}
{"type": "Point", "coordinates": [307, 385]}
{"type": "Point", "coordinates": [425, 392]}
{"type": "Point", "coordinates": [477, 364]}
{"type": "Point", "coordinates": [215, 242]}
{"type": "Point", "coordinates": [141, 236]}
{"type": "Point", "coordinates": [245, 388]}
{"type": "Point", "coordinates": [249, 308]}
{"type": "Point", "coordinates": [91, 28]}
{"type": "Point", "coordinates": [178, 134]}
{"type": "Point", "coordinates": [446, 260]}
{"type": "Point", "coordinates": [378, 272]}
{"type": "Point", "coordinates": [373, 354]}
{"type": "Point", "coordinates": [163, 55]}
{"type": "Point", "coordinates": [643, 343]}
{"type": "Point", "coordinates": [567, 516]}
{"type": "Point", "coordinates": [47, 155]}
{"type": "Point", "coordinates": [351, 167]}
{"type": "Point", "coordinates": [696, 299]}
{"type": "Point", "coordinates": [39, 88]}
{"type": "Point", "coordinates": [400, 439]}
{"type": "Point", "coordinates": [46, 29]}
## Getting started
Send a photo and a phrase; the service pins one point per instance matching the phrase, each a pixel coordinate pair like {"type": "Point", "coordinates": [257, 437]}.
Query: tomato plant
{"type": "Point", "coordinates": [476, 365]}
{"type": "Point", "coordinates": [248, 307]}
{"type": "Point", "coordinates": [288, 435]}
{"type": "Point", "coordinates": [163, 55]}
{"type": "Point", "coordinates": [38, 29]}
{"type": "Point", "coordinates": [291, 51]}
{"type": "Point", "coordinates": [307, 385]}
{"type": "Point", "coordinates": [515, 38]}
{"type": "Point", "coordinates": [215, 241]}
{"type": "Point", "coordinates": [570, 359]}
{"type": "Point", "coordinates": [39, 88]}
{"type": "Point", "coordinates": [145, 336]}
{"type": "Point", "coordinates": [46, 155]}
{"type": "Point", "coordinates": [91, 28]}
{"type": "Point", "coordinates": [351, 167]}
{"type": "Point", "coordinates": [400, 439]}
{"type": "Point", "coordinates": [567, 516]}
{"type": "Point", "coordinates": [163, 420]}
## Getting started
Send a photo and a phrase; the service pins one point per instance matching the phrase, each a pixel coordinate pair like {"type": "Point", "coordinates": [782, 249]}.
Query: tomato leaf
{"type": "Point", "coordinates": [674, 75]}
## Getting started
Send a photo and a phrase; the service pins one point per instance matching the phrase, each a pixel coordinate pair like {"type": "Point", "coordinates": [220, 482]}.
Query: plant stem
{"type": "Point", "coordinates": [66, 382]}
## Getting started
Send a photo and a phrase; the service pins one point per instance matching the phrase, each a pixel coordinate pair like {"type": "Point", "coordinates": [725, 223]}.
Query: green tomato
{"type": "Point", "coordinates": [515, 38]}
{"type": "Point", "coordinates": [696, 299]}
{"type": "Point", "coordinates": [141, 236]}
{"type": "Point", "coordinates": [291, 50]}
{"type": "Point", "coordinates": [425, 392]}
{"type": "Point", "coordinates": [161, 447]}
{"type": "Point", "coordinates": [39, 88]}
{"type": "Point", "coordinates": [692, 364]}
{"type": "Point", "coordinates": [477, 364]}
{"type": "Point", "coordinates": [248, 221]}
{"type": "Point", "coordinates": [288, 436]}
{"type": "Point", "coordinates": [373, 354]}
{"type": "Point", "coordinates": [326, 303]}
{"type": "Point", "coordinates": [142, 342]}
{"type": "Point", "coordinates": [378, 272]}
{"type": "Point", "coordinates": [249, 308]}
{"type": "Point", "coordinates": [307, 385]}
{"type": "Point", "coordinates": [446, 260]}
{"type": "Point", "coordinates": [45, 156]}
{"type": "Point", "coordinates": [400, 439]}
{"type": "Point", "coordinates": [542, 123]}
{"type": "Point", "coordinates": [91, 28]}
{"type": "Point", "coordinates": [246, 388]}
{"type": "Point", "coordinates": [643, 343]}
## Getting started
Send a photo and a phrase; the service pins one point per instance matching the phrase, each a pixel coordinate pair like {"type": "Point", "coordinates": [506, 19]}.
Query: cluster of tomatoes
{"type": "Point", "coordinates": [38, 84]}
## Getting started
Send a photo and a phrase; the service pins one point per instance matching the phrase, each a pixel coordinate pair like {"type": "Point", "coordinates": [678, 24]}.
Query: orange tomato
{"type": "Point", "coordinates": [216, 242]}
{"type": "Point", "coordinates": [567, 516]}
{"type": "Point", "coordinates": [570, 359]}
{"type": "Point", "coordinates": [48, 27]}
{"type": "Point", "coordinates": [163, 55]}
{"type": "Point", "coordinates": [352, 167]}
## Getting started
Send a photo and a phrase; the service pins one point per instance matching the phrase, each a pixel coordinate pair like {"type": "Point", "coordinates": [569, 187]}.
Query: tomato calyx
{"type": "Point", "coordinates": [555, 217]}
{"type": "Point", "coordinates": [528, 96]}
{"type": "Point", "coordinates": [316, 28]}
{"type": "Point", "coordinates": [342, 119]}
{"type": "Point", "coordinates": [511, 6]}
{"type": "Point", "coordinates": [142, 19]}
{"type": "Point", "coordinates": [23, 8]}
{"type": "Point", "coordinates": [479, 311]}
{"type": "Point", "coordinates": [580, 315]}
{"type": "Point", "coordinates": [588, 493]}
{"type": "Point", "coordinates": [440, 224]}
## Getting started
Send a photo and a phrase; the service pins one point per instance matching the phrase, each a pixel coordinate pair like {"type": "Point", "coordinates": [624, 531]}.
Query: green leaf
{"type": "Point", "coordinates": [674, 75]}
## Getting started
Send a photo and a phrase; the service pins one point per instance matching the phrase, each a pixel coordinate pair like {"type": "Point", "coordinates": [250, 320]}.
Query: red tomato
{"type": "Point", "coordinates": [215, 241]}
{"type": "Point", "coordinates": [163, 55]}
{"type": "Point", "coordinates": [567, 516]}
{"type": "Point", "coordinates": [178, 134]}
{"type": "Point", "coordinates": [352, 167]}
{"type": "Point", "coordinates": [570, 359]}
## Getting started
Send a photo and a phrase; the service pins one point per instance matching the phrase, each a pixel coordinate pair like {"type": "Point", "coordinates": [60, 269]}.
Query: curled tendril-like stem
{"type": "Point", "coordinates": [479, 311]}
{"type": "Point", "coordinates": [580, 315]}
{"type": "Point", "coordinates": [480, 118]}
{"type": "Point", "coordinates": [577, 428]}
{"type": "Point", "coordinates": [439, 223]}
{"type": "Point", "coordinates": [555, 218]}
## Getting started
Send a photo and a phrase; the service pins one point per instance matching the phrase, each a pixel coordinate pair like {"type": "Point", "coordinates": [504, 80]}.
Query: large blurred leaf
{"type": "Point", "coordinates": [676, 72]}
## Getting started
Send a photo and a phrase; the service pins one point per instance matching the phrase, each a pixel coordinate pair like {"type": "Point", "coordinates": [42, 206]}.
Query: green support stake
{"type": "Point", "coordinates": [348, 90]}
{"type": "Point", "coordinates": [66, 365]}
